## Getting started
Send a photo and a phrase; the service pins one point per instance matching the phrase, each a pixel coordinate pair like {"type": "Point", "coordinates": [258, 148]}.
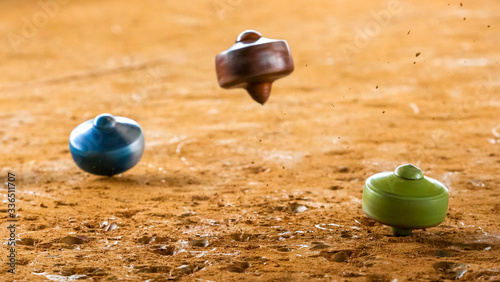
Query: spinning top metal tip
{"type": "Point", "coordinates": [260, 91]}
{"type": "Point", "coordinates": [104, 121]}
{"type": "Point", "coordinates": [401, 232]}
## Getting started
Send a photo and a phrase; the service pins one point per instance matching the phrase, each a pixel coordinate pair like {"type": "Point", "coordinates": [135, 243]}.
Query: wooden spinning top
{"type": "Point", "coordinates": [405, 199]}
{"type": "Point", "coordinates": [107, 145]}
{"type": "Point", "coordinates": [254, 63]}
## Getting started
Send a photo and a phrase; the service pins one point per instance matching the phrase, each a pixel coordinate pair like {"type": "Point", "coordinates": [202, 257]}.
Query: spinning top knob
{"type": "Point", "coordinates": [254, 63]}
{"type": "Point", "coordinates": [107, 145]}
{"type": "Point", "coordinates": [405, 199]}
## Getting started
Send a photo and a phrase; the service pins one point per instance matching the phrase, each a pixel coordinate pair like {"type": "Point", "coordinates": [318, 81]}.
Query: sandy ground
{"type": "Point", "coordinates": [220, 191]}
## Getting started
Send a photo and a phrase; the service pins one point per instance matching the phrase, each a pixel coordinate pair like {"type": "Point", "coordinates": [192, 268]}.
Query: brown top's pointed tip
{"type": "Point", "coordinates": [260, 92]}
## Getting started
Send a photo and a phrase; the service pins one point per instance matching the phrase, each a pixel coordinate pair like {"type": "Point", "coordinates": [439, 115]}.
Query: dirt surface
{"type": "Point", "coordinates": [228, 189]}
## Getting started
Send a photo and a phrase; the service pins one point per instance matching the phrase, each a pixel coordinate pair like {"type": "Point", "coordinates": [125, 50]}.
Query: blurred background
{"type": "Point", "coordinates": [365, 66]}
{"type": "Point", "coordinates": [376, 84]}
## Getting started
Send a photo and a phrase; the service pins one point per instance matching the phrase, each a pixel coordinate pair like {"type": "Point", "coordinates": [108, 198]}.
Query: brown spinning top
{"type": "Point", "coordinates": [253, 63]}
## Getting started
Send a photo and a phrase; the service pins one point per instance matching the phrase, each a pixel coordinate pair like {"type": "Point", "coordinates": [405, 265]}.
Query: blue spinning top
{"type": "Point", "coordinates": [107, 145]}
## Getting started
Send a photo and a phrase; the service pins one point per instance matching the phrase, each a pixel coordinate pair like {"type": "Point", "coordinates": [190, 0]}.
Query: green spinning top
{"type": "Point", "coordinates": [405, 199]}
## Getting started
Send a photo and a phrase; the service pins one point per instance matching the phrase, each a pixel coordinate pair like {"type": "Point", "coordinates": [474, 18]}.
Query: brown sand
{"type": "Point", "coordinates": [222, 168]}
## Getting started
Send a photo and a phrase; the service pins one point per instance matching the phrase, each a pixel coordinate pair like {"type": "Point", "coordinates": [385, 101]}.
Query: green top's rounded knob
{"type": "Point", "coordinates": [409, 171]}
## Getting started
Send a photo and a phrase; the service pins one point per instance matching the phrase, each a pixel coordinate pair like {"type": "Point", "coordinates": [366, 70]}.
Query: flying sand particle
{"type": "Point", "coordinates": [415, 108]}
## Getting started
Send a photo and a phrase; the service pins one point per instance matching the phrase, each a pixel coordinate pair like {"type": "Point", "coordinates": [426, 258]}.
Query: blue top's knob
{"type": "Point", "coordinates": [104, 121]}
